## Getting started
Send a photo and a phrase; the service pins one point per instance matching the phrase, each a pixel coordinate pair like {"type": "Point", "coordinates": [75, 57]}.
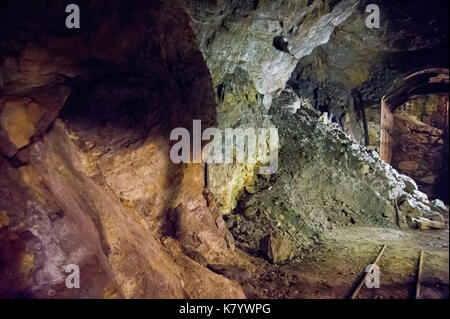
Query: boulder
{"type": "Point", "coordinates": [410, 184]}
{"type": "Point", "coordinates": [23, 117]}
{"type": "Point", "coordinates": [251, 212]}
{"type": "Point", "coordinates": [440, 206]}
{"type": "Point", "coordinates": [277, 248]}
{"type": "Point", "coordinates": [410, 208]}
{"type": "Point", "coordinates": [200, 236]}
{"type": "Point", "coordinates": [425, 223]}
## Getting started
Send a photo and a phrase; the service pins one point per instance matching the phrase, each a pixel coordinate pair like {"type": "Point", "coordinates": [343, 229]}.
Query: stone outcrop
{"type": "Point", "coordinates": [243, 34]}
{"type": "Point", "coordinates": [95, 186]}
{"type": "Point", "coordinates": [239, 43]}
{"type": "Point", "coordinates": [341, 70]}
{"type": "Point", "coordinates": [202, 237]}
{"type": "Point", "coordinates": [276, 248]}
{"type": "Point", "coordinates": [326, 179]}
{"type": "Point", "coordinates": [357, 66]}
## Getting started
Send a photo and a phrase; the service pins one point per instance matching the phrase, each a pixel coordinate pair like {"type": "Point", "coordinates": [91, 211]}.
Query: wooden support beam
{"type": "Point", "coordinates": [386, 134]}
{"type": "Point", "coordinates": [355, 293]}
{"type": "Point", "coordinates": [419, 275]}
{"type": "Point", "coordinates": [428, 81]}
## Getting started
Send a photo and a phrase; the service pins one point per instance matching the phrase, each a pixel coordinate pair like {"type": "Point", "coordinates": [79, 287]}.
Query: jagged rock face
{"type": "Point", "coordinates": [95, 187]}
{"type": "Point", "coordinates": [325, 179]}
{"type": "Point", "coordinates": [85, 118]}
{"type": "Point", "coordinates": [359, 65]}
{"type": "Point", "coordinates": [251, 49]}
{"type": "Point", "coordinates": [348, 73]}
{"type": "Point", "coordinates": [244, 34]}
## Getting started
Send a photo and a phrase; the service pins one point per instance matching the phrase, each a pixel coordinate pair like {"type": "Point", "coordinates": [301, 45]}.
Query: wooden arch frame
{"type": "Point", "coordinates": [428, 81]}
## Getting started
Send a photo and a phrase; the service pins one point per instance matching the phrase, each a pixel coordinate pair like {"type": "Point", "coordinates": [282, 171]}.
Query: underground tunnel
{"type": "Point", "coordinates": [224, 149]}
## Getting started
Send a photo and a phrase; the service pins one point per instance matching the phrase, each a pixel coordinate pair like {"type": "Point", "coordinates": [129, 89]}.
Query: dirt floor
{"type": "Point", "coordinates": [334, 267]}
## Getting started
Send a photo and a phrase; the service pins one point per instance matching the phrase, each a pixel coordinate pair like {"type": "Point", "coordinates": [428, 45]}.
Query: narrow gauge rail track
{"type": "Point", "coordinates": [372, 266]}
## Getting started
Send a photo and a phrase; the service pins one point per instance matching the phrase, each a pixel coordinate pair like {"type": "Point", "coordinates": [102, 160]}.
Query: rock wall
{"type": "Point", "coordinates": [95, 187]}
{"type": "Point", "coordinates": [343, 70]}
{"type": "Point", "coordinates": [85, 120]}
{"type": "Point", "coordinates": [246, 33]}
{"type": "Point", "coordinates": [325, 179]}
{"type": "Point", "coordinates": [353, 70]}
{"type": "Point", "coordinates": [251, 49]}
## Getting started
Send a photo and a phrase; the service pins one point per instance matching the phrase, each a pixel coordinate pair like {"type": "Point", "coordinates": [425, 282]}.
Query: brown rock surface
{"type": "Point", "coordinates": [94, 187]}
{"type": "Point", "coordinates": [277, 248]}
